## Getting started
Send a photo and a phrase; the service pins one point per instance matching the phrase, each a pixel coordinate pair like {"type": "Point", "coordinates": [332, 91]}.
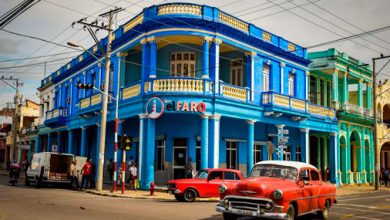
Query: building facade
{"type": "Point", "coordinates": [345, 84]}
{"type": "Point", "coordinates": [193, 82]}
{"type": "Point", "coordinates": [383, 137]}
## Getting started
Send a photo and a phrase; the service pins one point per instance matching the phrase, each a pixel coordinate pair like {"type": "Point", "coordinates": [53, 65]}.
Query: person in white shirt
{"type": "Point", "coordinates": [133, 176]}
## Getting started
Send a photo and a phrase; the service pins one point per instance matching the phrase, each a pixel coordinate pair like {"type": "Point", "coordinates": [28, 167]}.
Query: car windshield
{"type": "Point", "coordinates": [201, 174]}
{"type": "Point", "coordinates": [276, 171]}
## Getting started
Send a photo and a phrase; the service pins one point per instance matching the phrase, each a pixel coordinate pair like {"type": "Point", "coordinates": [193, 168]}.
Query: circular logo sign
{"type": "Point", "coordinates": [155, 107]}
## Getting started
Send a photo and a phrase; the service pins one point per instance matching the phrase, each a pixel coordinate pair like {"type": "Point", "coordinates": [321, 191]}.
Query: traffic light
{"type": "Point", "coordinates": [124, 142]}
{"type": "Point", "coordinates": [84, 86]}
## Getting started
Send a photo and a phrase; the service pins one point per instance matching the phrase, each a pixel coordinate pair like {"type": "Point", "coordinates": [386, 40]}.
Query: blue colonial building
{"type": "Point", "coordinates": [193, 82]}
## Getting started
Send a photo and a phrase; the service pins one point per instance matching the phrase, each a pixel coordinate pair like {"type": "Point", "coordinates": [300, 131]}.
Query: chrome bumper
{"type": "Point", "coordinates": [257, 213]}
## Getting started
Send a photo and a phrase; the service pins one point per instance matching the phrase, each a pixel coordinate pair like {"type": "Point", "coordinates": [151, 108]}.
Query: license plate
{"type": "Point", "coordinates": [243, 212]}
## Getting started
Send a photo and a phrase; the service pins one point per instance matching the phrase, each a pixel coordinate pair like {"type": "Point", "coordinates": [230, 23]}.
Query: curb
{"type": "Point", "coordinates": [145, 197]}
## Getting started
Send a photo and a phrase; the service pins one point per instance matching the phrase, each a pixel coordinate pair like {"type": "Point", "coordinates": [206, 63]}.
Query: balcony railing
{"type": "Point", "coordinates": [321, 110]}
{"type": "Point", "coordinates": [234, 92]}
{"type": "Point", "coordinates": [90, 101]}
{"type": "Point", "coordinates": [355, 109]}
{"type": "Point", "coordinates": [277, 100]}
{"type": "Point", "coordinates": [56, 116]}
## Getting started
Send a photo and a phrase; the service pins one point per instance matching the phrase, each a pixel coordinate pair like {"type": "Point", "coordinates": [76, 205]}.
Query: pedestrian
{"type": "Point", "coordinates": [386, 176]}
{"type": "Point", "coordinates": [86, 171]}
{"type": "Point", "coordinates": [73, 174]}
{"type": "Point", "coordinates": [110, 169]}
{"type": "Point", "coordinates": [133, 176]}
{"type": "Point", "coordinates": [188, 168]}
{"type": "Point", "coordinates": [93, 170]}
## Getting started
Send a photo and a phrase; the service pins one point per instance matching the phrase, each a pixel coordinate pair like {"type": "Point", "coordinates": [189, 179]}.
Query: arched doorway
{"type": "Point", "coordinates": [355, 160]}
{"type": "Point", "coordinates": [385, 155]}
{"type": "Point", "coordinates": [343, 159]}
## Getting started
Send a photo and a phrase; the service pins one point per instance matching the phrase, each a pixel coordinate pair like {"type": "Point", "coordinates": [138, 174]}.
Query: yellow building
{"type": "Point", "coordinates": [383, 137]}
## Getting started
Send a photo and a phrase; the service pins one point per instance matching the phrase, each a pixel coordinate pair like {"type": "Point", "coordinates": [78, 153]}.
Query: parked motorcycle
{"type": "Point", "coordinates": [14, 174]}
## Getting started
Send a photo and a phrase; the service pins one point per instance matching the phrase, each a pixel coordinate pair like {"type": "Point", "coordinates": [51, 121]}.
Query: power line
{"type": "Point", "coordinates": [325, 28]}
{"type": "Point", "coordinates": [335, 25]}
{"type": "Point", "coordinates": [37, 38]}
{"type": "Point", "coordinates": [29, 58]}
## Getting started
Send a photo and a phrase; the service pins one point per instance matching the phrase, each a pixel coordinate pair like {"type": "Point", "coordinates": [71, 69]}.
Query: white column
{"type": "Point", "coordinates": [140, 143]}
{"type": "Point", "coordinates": [216, 120]}
{"type": "Point", "coordinates": [305, 148]}
{"type": "Point", "coordinates": [217, 43]}
{"type": "Point", "coordinates": [282, 65]}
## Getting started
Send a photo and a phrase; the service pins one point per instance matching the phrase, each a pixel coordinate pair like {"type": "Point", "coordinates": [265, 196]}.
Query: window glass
{"type": "Point", "coordinates": [314, 175]}
{"type": "Point", "coordinates": [215, 175]}
{"type": "Point", "coordinates": [275, 171]}
{"type": "Point", "coordinates": [256, 153]}
{"type": "Point", "coordinates": [183, 64]}
{"type": "Point", "coordinates": [201, 174]}
{"type": "Point", "coordinates": [313, 90]}
{"type": "Point", "coordinates": [291, 84]}
{"type": "Point", "coordinates": [266, 71]}
{"type": "Point", "coordinates": [231, 155]}
{"type": "Point", "coordinates": [231, 176]}
{"type": "Point", "coordinates": [160, 155]}
{"type": "Point", "coordinates": [305, 175]}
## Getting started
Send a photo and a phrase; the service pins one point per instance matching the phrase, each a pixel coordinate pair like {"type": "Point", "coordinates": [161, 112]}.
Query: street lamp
{"type": "Point", "coordinates": [103, 121]}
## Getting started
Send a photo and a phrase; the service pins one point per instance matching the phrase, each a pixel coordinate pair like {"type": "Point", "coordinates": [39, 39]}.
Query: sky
{"type": "Point", "coordinates": [305, 22]}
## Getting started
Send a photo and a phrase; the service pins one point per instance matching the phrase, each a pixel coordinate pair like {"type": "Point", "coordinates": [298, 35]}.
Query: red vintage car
{"type": "Point", "coordinates": [205, 183]}
{"type": "Point", "coordinates": [278, 190]}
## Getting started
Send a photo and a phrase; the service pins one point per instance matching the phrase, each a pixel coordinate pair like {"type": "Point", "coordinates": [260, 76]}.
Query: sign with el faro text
{"type": "Point", "coordinates": [155, 107]}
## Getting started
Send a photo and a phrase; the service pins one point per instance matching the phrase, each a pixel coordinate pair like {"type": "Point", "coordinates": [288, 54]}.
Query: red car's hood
{"type": "Point", "coordinates": [185, 181]}
{"type": "Point", "coordinates": [262, 186]}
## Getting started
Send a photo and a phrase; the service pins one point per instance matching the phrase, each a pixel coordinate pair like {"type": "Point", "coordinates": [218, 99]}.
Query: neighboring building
{"type": "Point", "coordinates": [4, 149]}
{"type": "Point", "coordinates": [383, 127]}
{"type": "Point", "coordinates": [194, 82]}
{"type": "Point", "coordinates": [27, 113]}
{"type": "Point", "coordinates": [345, 83]}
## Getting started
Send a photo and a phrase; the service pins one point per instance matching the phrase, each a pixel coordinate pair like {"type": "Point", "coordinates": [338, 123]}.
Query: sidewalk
{"type": "Point", "coordinates": [350, 190]}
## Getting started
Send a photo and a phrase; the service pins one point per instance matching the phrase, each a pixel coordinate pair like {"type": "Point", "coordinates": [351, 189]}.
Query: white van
{"type": "Point", "coordinates": [51, 167]}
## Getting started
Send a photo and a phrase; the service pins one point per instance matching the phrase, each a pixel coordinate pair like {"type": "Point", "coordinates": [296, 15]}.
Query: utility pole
{"type": "Point", "coordinates": [15, 117]}
{"type": "Point", "coordinates": [376, 159]}
{"type": "Point", "coordinates": [107, 55]}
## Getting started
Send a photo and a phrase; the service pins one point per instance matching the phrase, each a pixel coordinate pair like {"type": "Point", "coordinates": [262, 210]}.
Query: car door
{"type": "Point", "coordinates": [214, 180]}
{"type": "Point", "coordinates": [230, 178]}
{"type": "Point", "coordinates": [305, 193]}
{"type": "Point", "coordinates": [315, 187]}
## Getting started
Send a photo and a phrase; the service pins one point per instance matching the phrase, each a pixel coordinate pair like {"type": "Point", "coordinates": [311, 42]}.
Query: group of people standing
{"type": "Point", "coordinates": [132, 180]}
{"type": "Point", "coordinates": [88, 177]}
{"type": "Point", "coordinates": [385, 176]}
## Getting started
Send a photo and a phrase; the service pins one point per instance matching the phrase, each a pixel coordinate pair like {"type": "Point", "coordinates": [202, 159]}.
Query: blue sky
{"type": "Point", "coordinates": [305, 25]}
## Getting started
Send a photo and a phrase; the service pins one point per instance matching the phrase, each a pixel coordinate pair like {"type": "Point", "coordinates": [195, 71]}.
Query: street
{"type": "Point", "coordinates": [21, 202]}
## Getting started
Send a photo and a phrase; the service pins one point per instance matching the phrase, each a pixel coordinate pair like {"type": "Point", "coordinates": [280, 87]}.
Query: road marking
{"type": "Point", "coordinates": [384, 213]}
{"type": "Point", "coordinates": [359, 206]}
{"type": "Point", "coordinates": [360, 198]}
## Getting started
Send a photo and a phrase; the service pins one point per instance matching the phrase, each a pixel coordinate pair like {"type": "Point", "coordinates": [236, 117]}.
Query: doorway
{"type": "Point", "coordinates": [179, 157]}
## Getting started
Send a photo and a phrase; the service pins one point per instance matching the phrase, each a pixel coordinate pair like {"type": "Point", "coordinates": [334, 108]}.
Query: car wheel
{"type": "Point", "coordinates": [27, 182]}
{"type": "Point", "coordinates": [324, 214]}
{"type": "Point", "coordinates": [290, 212]}
{"type": "Point", "coordinates": [189, 195]}
{"type": "Point", "coordinates": [179, 198]}
{"type": "Point", "coordinates": [229, 216]}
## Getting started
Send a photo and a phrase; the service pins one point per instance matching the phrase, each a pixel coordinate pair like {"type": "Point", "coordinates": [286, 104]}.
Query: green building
{"type": "Point", "coordinates": [345, 84]}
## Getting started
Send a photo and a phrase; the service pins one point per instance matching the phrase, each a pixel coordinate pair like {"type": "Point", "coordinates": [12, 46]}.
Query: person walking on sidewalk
{"type": "Point", "coordinates": [133, 176]}
{"type": "Point", "coordinates": [86, 171]}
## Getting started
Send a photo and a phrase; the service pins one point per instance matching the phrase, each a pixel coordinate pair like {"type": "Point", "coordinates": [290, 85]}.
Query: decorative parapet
{"type": "Point", "coordinates": [131, 91]}
{"type": "Point", "coordinates": [267, 36]}
{"type": "Point", "coordinates": [84, 103]}
{"type": "Point", "coordinates": [281, 100]}
{"type": "Point", "coordinates": [298, 104]}
{"type": "Point", "coordinates": [178, 85]}
{"type": "Point", "coordinates": [234, 92]}
{"type": "Point", "coordinates": [233, 22]}
{"type": "Point", "coordinates": [180, 9]}
{"type": "Point", "coordinates": [134, 22]}
{"type": "Point", "coordinates": [96, 99]}
{"type": "Point", "coordinates": [323, 111]}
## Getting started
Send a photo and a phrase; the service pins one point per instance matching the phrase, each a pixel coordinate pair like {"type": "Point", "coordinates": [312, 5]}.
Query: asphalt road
{"type": "Point", "coordinates": [20, 202]}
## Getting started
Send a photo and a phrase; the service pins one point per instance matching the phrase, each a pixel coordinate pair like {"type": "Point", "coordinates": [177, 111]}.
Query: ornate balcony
{"type": "Point", "coordinates": [56, 117]}
{"type": "Point", "coordinates": [276, 101]}
{"type": "Point", "coordinates": [353, 109]}
{"type": "Point", "coordinates": [234, 92]}
{"type": "Point", "coordinates": [90, 105]}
